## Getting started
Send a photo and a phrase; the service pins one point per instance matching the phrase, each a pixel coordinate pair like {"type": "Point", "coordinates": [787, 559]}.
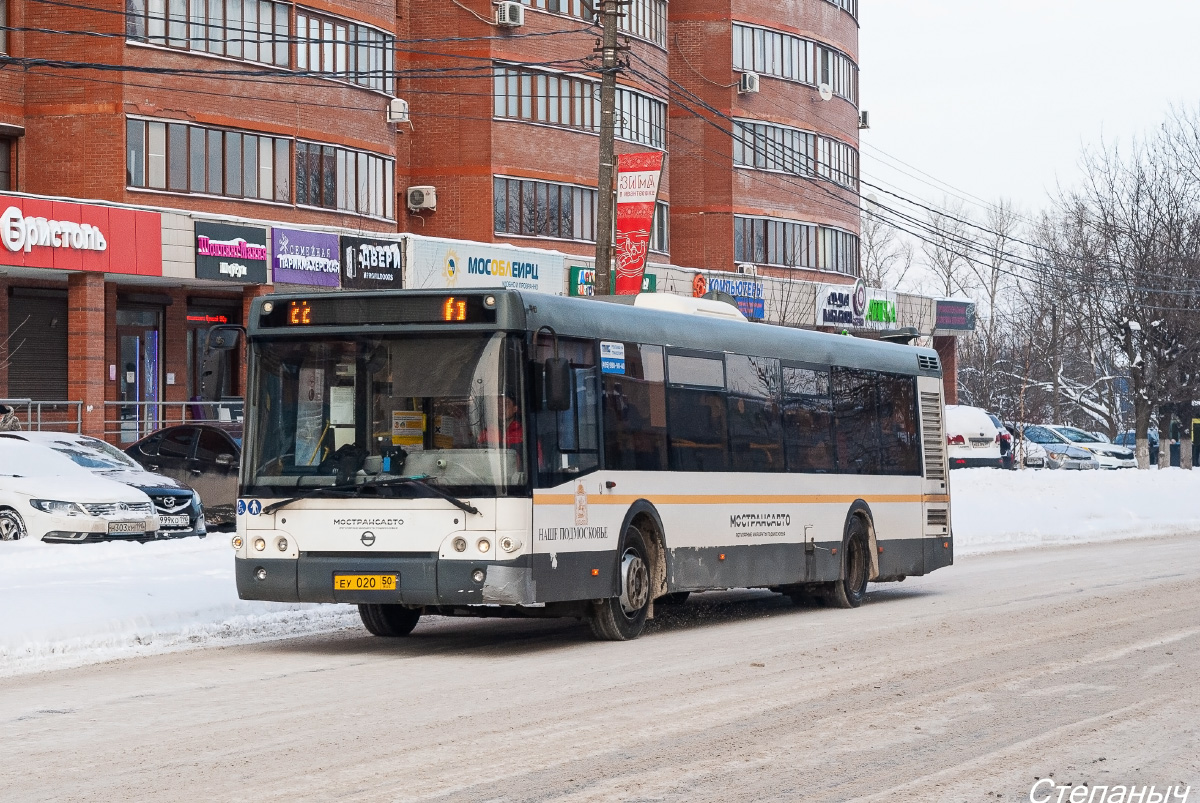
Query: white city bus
{"type": "Point", "coordinates": [505, 453]}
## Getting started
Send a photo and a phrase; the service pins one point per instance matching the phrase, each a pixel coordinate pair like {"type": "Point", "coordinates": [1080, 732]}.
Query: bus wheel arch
{"type": "Point", "coordinates": [858, 559]}
{"type": "Point", "coordinates": [643, 515]}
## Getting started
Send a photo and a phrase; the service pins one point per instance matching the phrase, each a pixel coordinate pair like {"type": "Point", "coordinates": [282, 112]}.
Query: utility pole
{"type": "Point", "coordinates": [609, 10]}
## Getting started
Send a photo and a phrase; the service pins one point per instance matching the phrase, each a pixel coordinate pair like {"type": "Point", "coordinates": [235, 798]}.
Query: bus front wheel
{"type": "Point", "coordinates": [389, 620]}
{"type": "Point", "coordinates": [622, 618]}
{"type": "Point", "coordinates": [850, 591]}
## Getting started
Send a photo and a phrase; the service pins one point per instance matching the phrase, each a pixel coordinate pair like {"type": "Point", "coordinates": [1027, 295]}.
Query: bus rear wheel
{"type": "Point", "coordinates": [851, 590]}
{"type": "Point", "coordinates": [622, 618]}
{"type": "Point", "coordinates": [389, 621]}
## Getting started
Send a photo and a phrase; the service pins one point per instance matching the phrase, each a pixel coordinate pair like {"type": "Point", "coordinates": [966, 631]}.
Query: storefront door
{"type": "Point", "coordinates": [139, 370]}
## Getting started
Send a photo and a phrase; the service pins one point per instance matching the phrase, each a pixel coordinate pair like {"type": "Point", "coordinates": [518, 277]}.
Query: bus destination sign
{"type": "Point", "coordinates": [331, 310]}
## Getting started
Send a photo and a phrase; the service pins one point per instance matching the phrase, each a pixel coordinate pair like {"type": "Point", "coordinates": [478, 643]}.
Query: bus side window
{"type": "Point", "coordinates": [635, 412]}
{"type": "Point", "coordinates": [568, 441]}
{"type": "Point", "coordinates": [898, 424]}
{"type": "Point", "coordinates": [856, 421]}
{"type": "Point", "coordinates": [696, 413]}
{"type": "Point", "coordinates": [807, 420]}
{"type": "Point", "coordinates": [756, 439]}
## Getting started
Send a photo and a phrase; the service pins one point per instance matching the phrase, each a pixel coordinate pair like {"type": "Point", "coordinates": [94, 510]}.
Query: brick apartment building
{"type": "Point", "coordinates": [164, 122]}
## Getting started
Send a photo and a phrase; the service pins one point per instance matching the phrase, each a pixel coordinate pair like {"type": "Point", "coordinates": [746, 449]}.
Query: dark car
{"type": "Point", "coordinates": [1007, 453]}
{"type": "Point", "coordinates": [1128, 439]}
{"type": "Point", "coordinates": [203, 455]}
{"type": "Point", "coordinates": [180, 511]}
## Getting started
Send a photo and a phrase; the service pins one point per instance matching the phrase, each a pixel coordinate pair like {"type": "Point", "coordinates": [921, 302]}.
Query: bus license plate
{"type": "Point", "coordinates": [127, 526]}
{"type": "Point", "coordinates": [364, 582]}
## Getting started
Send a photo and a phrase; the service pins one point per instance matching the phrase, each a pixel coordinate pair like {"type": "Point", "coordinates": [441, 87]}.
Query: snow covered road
{"type": "Point", "coordinates": [68, 605]}
{"type": "Point", "coordinates": [1073, 663]}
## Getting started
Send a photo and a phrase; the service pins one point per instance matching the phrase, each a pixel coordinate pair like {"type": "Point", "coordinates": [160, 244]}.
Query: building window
{"type": "Point", "coordinates": [765, 146]}
{"type": "Point", "coordinates": [789, 244]}
{"type": "Point", "coordinates": [849, 6]}
{"type": "Point", "coordinates": [660, 229]}
{"type": "Point", "coordinates": [179, 157]}
{"type": "Point", "coordinates": [791, 58]}
{"type": "Point", "coordinates": [645, 19]}
{"type": "Point", "coordinates": [345, 50]}
{"type": "Point", "coordinates": [332, 177]}
{"type": "Point", "coordinates": [571, 102]}
{"type": "Point", "coordinates": [7, 148]}
{"type": "Point", "coordinates": [544, 209]}
{"type": "Point", "coordinates": [254, 30]}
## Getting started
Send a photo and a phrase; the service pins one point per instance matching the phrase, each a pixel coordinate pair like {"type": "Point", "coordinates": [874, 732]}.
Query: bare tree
{"type": "Point", "coordinates": [947, 248]}
{"type": "Point", "coordinates": [887, 257]}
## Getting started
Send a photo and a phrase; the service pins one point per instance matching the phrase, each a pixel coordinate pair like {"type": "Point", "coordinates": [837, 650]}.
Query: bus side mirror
{"type": "Point", "coordinates": [558, 384]}
{"type": "Point", "coordinates": [223, 338]}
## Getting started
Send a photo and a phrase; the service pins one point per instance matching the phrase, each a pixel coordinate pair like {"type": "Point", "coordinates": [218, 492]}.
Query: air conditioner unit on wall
{"type": "Point", "coordinates": [397, 111]}
{"type": "Point", "coordinates": [747, 269]}
{"type": "Point", "coordinates": [422, 198]}
{"type": "Point", "coordinates": [510, 14]}
{"type": "Point", "coordinates": [748, 83]}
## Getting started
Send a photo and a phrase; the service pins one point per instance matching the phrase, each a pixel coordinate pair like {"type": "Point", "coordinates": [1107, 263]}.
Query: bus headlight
{"type": "Point", "coordinates": [237, 542]}
{"type": "Point", "coordinates": [460, 545]}
{"type": "Point", "coordinates": [510, 544]}
{"type": "Point", "coordinates": [282, 544]}
{"type": "Point", "coordinates": [483, 545]}
{"type": "Point", "coordinates": [260, 544]}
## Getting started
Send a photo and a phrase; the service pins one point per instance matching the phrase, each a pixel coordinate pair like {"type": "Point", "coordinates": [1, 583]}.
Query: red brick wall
{"type": "Point", "coordinates": [947, 349]}
{"type": "Point", "coordinates": [86, 369]}
{"type": "Point", "coordinates": [708, 191]}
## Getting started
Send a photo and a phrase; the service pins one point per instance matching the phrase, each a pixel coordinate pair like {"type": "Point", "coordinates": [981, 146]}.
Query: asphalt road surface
{"type": "Point", "coordinates": [1079, 663]}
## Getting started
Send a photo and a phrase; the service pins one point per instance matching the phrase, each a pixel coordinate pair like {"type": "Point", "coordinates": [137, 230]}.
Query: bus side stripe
{"type": "Point", "coordinates": [706, 499]}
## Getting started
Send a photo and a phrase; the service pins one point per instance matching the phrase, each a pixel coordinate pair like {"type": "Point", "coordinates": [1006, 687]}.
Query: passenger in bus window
{"type": "Point", "coordinates": [509, 433]}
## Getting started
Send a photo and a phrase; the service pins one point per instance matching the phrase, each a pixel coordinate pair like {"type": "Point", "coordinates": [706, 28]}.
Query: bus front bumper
{"type": "Point", "coordinates": [421, 580]}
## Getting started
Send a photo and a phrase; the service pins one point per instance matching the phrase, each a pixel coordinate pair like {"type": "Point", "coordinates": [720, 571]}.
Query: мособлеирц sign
{"type": "Point", "coordinates": [230, 253]}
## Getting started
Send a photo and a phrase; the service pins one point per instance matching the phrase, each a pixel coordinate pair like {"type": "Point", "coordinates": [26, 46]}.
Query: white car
{"type": "Point", "coordinates": [45, 495]}
{"type": "Point", "coordinates": [1107, 455]}
{"type": "Point", "coordinates": [972, 439]}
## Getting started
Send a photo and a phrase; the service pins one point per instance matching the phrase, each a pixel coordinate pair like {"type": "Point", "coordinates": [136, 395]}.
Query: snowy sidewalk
{"type": "Point", "coordinates": [68, 605]}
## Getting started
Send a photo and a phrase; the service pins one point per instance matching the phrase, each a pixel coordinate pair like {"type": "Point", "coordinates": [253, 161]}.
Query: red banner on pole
{"type": "Point", "coordinates": [637, 191]}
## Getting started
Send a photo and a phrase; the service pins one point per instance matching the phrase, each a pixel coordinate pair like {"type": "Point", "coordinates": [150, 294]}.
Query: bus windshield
{"type": "Point", "coordinates": [362, 410]}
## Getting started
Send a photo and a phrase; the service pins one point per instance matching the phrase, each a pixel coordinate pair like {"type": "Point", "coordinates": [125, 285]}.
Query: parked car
{"type": "Point", "coordinates": [1128, 439]}
{"type": "Point", "coordinates": [1055, 450]}
{"type": "Point", "coordinates": [972, 440]}
{"type": "Point", "coordinates": [205, 456]}
{"type": "Point", "coordinates": [180, 512]}
{"type": "Point", "coordinates": [1006, 443]}
{"type": "Point", "coordinates": [1107, 455]}
{"type": "Point", "coordinates": [45, 495]}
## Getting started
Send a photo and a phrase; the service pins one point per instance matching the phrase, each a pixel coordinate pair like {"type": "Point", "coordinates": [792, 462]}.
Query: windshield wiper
{"type": "Point", "coordinates": [350, 490]}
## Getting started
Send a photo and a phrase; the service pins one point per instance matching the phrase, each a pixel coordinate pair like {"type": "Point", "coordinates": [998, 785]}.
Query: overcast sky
{"type": "Point", "coordinates": [998, 97]}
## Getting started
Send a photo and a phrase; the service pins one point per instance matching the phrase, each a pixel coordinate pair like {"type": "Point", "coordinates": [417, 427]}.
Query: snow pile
{"type": "Point", "coordinates": [995, 510]}
{"type": "Point", "coordinates": [73, 604]}
{"type": "Point", "coordinates": [68, 605]}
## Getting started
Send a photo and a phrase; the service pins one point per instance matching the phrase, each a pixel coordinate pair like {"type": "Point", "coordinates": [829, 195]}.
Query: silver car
{"type": "Point", "coordinates": [1045, 448]}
